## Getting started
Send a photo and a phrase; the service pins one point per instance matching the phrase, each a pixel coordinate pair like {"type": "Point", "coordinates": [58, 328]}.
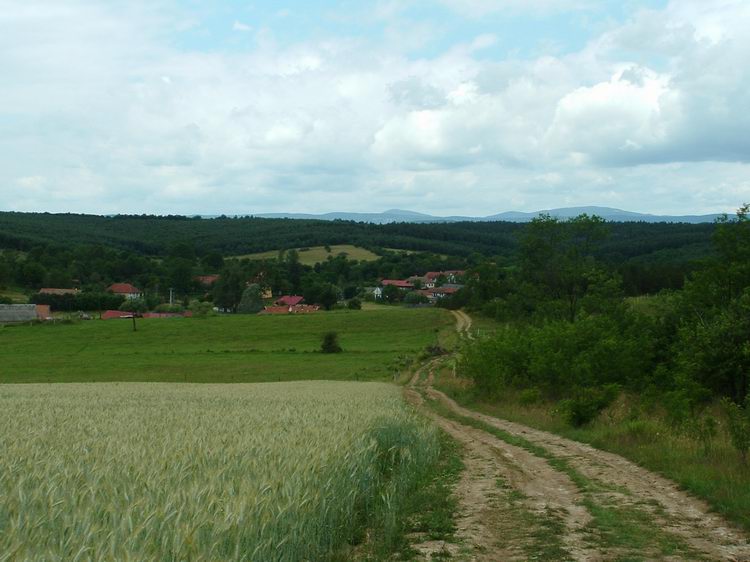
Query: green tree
{"type": "Point", "coordinates": [252, 300]}
{"type": "Point", "coordinates": [330, 343]}
{"type": "Point", "coordinates": [227, 291]}
{"type": "Point", "coordinates": [559, 256]}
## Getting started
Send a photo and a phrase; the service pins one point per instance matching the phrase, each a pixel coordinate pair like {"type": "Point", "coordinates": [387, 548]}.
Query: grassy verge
{"type": "Point", "coordinates": [717, 475]}
{"type": "Point", "coordinates": [625, 529]}
{"type": "Point", "coordinates": [427, 512]}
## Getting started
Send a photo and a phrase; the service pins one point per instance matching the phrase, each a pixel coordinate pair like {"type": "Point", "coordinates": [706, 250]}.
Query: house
{"type": "Point", "coordinates": [19, 313]}
{"type": "Point", "coordinates": [289, 300]}
{"type": "Point", "coordinates": [207, 280]}
{"type": "Point", "coordinates": [126, 290]}
{"type": "Point", "coordinates": [51, 291]}
{"type": "Point", "coordinates": [451, 276]}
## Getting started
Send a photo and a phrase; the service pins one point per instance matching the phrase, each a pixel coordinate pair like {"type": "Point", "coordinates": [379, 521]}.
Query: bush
{"type": "Point", "coordinates": [201, 309]}
{"type": "Point", "coordinates": [530, 396]}
{"type": "Point", "coordinates": [134, 305]}
{"type": "Point", "coordinates": [738, 419]}
{"type": "Point", "coordinates": [586, 406]}
{"type": "Point", "coordinates": [330, 343]}
{"type": "Point", "coordinates": [5, 300]}
{"type": "Point", "coordinates": [354, 304]}
{"type": "Point", "coordinates": [166, 307]}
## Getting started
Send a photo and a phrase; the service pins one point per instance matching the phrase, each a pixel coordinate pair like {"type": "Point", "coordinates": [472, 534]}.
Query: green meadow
{"type": "Point", "coordinates": [235, 348]}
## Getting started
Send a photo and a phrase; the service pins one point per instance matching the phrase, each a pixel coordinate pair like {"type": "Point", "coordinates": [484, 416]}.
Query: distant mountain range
{"type": "Point", "coordinates": [399, 215]}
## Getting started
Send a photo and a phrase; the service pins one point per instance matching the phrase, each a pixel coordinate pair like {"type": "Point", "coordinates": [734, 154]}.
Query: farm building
{"type": "Point", "coordinates": [18, 313]}
{"type": "Point", "coordinates": [289, 300]}
{"type": "Point", "coordinates": [126, 290]}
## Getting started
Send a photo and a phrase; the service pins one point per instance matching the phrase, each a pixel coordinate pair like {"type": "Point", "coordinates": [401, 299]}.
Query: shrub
{"type": "Point", "coordinates": [586, 406]}
{"type": "Point", "coordinates": [166, 307]}
{"type": "Point", "coordinates": [530, 396]}
{"type": "Point", "coordinates": [134, 305]}
{"type": "Point", "coordinates": [354, 304]}
{"type": "Point", "coordinates": [738, 419]}
{"type": "Point", "coordinates": [330, 343]}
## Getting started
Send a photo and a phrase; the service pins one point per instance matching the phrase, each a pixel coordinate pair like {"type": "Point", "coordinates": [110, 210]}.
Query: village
{"type": "Point", "coordinates": [417, 290]}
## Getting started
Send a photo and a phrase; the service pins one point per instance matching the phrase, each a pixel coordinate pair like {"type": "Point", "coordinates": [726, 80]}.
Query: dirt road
{"type": "Point", "coordinates": [527, 494]}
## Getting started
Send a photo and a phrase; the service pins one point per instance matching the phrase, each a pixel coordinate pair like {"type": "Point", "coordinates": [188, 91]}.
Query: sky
{"type": "Point", "coordinates": [448, 107]}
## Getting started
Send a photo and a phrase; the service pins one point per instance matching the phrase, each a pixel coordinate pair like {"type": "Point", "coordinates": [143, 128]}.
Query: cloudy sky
{"type": "Point", "coordinates": [445, 106]}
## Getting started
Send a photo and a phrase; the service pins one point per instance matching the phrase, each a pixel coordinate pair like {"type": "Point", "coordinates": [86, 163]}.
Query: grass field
{"type": "Point", "coordinates": [316, 254]}
{"type": "Point", "coordinates": [220, 349]}
{"type": "Point", "coordinates": [289, 471]}
{"type": "Point", "coordinates": [16, 295]}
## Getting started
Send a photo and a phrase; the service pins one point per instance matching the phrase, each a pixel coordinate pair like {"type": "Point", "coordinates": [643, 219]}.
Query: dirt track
{"type": "Point", "coordinates": [517, 505]}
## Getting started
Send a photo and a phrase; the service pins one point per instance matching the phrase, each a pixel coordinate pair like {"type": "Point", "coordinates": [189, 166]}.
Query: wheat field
{"type": "Point", "coordinates": [279, 471]}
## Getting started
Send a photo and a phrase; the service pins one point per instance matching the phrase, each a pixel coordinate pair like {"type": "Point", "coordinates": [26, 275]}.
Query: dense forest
{"type": "Point", "coordinates": [158, 252]}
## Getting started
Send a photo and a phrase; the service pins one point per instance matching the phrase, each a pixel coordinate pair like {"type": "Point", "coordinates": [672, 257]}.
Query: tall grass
{"type": "Point", "coordinates": [287, 472]}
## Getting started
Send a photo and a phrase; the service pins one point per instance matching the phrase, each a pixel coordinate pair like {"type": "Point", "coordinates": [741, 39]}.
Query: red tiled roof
{"type": "Point", "coordinates": [123, 289]}
{"type": "Point", "coordinates": [397, 283]}
{"type": "Point", "coordinates": [51, 291]}
{"type": "Point", "coordinates": [207, 279]}
{"type": "Point", "coordinates": [289, 300]}
{"type": "Point", "coordinates": [110, 314]}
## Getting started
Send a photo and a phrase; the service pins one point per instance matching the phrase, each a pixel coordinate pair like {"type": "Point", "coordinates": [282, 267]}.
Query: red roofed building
{"type": "Point", "coordinates": [110, 314]}
{"type": "Point", "coordinates": [125, 289]}
{"type": "Point", "coordinates": [207, 280]}
{"type": "Point", "coordinates": [289, 300]}
{"type": "Point", "coordinates": [397, 283]}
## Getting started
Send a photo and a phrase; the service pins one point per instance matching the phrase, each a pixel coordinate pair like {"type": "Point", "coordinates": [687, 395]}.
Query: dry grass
{"type": "Point", "coordinates": [316, 254]}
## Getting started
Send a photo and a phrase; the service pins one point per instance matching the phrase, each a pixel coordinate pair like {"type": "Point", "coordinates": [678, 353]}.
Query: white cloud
{"type": "Point", "coordinates": [100, 112]}
{"type": "Point", "coordinates": [243, 27]}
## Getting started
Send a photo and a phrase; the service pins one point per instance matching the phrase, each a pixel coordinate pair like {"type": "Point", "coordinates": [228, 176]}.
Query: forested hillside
{"type": "Point", "coordinates": [154, 235]}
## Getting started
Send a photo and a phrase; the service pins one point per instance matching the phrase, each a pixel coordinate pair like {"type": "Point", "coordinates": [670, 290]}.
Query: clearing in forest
{"type": "Point", "coordinates": [316, 254]}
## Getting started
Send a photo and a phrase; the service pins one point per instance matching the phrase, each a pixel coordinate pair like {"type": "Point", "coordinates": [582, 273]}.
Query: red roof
{"type": "Point", "coordinates": [109, 314]}
{"type": "Point", "coordinates": [123, 289]}
{"type": "Point", "coordinates": [397, 283]}
{"type": "Point", "coordinates": [289, 300]}
{"type": "Point", "coordinates": [444, 290]}
{"type": "Point", "coordinates": [207, 279]}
